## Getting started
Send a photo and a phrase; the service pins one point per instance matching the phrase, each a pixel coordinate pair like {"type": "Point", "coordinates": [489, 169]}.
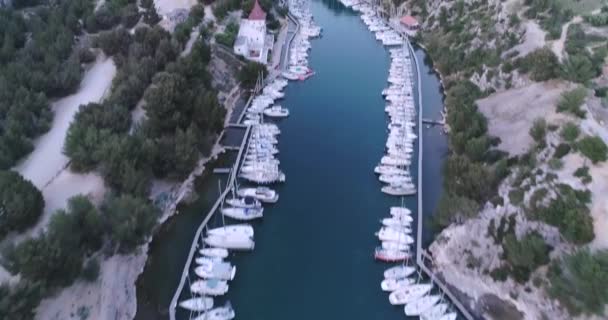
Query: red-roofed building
{"type": "Point", "coordinates": [257, 13]}
{"type": "Point", "coordinates": [252, 42]}
{"type": "Point", "coordinates": [410, 23]}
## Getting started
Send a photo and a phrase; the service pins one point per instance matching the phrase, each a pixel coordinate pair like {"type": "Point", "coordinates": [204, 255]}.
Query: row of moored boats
{"type": "Point", "coordinates": [259, 166]}
{"type": "Point", "coordinates": [404, 284]}
{"type": "Point", "coordinates": [394, 167]}
{"type": "Point", "coordinates": [396, 241]}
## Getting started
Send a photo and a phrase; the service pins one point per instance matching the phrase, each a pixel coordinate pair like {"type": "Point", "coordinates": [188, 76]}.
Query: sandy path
{"type": "Point", "coordinates": [534, 38]}
{"type": "Point", "coordinates": [166, 6]}
{"type": "Point", "coordinates": [558, 45]}
{"type": "Point", "coordinates": [46, 165]}
{"type": "Point", "coordinates": [47, 159]}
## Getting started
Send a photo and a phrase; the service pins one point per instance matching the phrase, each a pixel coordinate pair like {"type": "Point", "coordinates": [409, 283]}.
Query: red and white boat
{"type": "Point", "coordinates": [388, 255]}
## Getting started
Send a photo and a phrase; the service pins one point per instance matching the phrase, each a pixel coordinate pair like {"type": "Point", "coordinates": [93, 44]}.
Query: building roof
{"type": "Point", "coordinates": [409, 21]}
{"type": "Point", "coordinates": [257, 13]}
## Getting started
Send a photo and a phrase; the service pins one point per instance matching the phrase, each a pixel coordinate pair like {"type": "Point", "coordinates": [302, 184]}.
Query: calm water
{"type": "Point", "coordinates": [313, 256]}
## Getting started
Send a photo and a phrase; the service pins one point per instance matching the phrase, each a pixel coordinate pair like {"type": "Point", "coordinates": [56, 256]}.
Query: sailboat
{"type": "Point", "coordinates": [214, 252]}
{"type": "Point", "coordinates": [212, 287]}
{"type": "Point", "coordinates": [417, 307]}
{"type": "Point", "coordinates": [222, 313]}
{"type": "Point", "coordinates": [399, 272]}
{"type": "Point", "coordinates": [197, 304]}
{"type": "Point", "coordinates": [409, 294]}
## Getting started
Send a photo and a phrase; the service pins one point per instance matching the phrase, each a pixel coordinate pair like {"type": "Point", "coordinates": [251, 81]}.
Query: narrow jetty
{"type": "Point", "coordinates": [199, 231]}
{"type": "Point", "coordinates": [421, 254]}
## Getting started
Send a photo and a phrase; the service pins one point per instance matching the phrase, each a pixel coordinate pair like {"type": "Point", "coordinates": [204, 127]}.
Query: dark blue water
{"type": "Point", "coordinates": [314, 248]}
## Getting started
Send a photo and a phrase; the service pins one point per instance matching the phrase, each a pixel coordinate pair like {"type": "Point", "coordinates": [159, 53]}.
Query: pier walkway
{"type": "Point", "coordinates": [421, 255]}
{"type": "Point", "coordinates": [199, 231]}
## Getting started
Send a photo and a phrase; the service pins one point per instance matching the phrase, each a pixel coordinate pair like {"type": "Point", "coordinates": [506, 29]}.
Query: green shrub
{"type": "Point", "coordinates": [516, 196]}
{"type": "Point", "coordinates": [570, 132]}
{"type": "Point", "coordinates": [578, 279]}
{"type": "Point", "coordinates": [21, 204]}
{"type": "Point", "coordinates": [571, 102]}
{"type": "Point", "coordinates": [538, 131]}
{"type": "Point", "coordinates": [583, 174]}
{"type": "Point", "coordinates": [570, 214]}
{"type": "Point", "coordinates": [556, 164]}
{"type": "Point", "coordinates": [593, 148]}
{"type": "Point", "coordinates": [90, 271]}
{"type": "Point", "coordinates": [561, 150]}
{"type": "Point", "coordinates": [542, 64]}
{"type": "Point", "coordinates": [525, 254]}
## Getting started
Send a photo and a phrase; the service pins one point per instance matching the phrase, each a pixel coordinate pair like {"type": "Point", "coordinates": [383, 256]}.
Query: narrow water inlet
{"type": "Point", "coordinates": [314, 248]}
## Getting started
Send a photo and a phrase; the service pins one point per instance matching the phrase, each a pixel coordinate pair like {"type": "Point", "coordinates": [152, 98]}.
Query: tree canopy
{"type": "Point", "coordinates": [129, 221]}
{"type": "Point", "coordinates": [593, 148]}
{"type": "Point", "coordinates": [578, 281]}
{"type": "Point", "coordinates": [21, 204]}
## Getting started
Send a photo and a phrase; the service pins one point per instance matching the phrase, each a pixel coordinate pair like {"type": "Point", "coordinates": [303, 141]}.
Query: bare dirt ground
{"type": "Point", "coordinates": [165, 7]}
{"type": "Point", "coordinates": [112, 296]}
{"type": "Point", "coordinates": [511, 113]}
{"type": "Point", "coordinates": [534, 38]}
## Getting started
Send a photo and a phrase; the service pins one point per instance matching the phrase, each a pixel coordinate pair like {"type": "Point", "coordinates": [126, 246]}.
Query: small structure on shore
{"type": "Point", "coordinates": [251, 39]}
{"type": "Point", "coordinates": [411, 24]}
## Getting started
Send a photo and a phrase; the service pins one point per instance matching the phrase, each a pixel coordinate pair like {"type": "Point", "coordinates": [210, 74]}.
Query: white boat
{"type": "Point", "coordinates": [395, 178]}
{"type": "Point", "coordinates": [276, 112]}
{"type": "Point", "coordinates": [215, 269]}
{"type": "Point", "coordinates": [409, 294]}
{"type": "Point", "coordinates": [388, 255]}
{"type": "Point", "coordinates": [389, 170]}
{"type": "Point", "coordinates": [221, 313]}
{"type": "Point", "coordinates": [244, 202]}
{"type": "Point", "coordinates": [394, 161]}
{"type": "Point", "coordinates": [212, 287]}
{"type": "Point", "coordinates": [230, 242]}
{"type": "Point", "coordinates": [398, 190]}
{"type": "Point", "coordinates": [399, 212]}
{"type": "Point", "coordinates": [388, 234]}
{"type": "Point", "coordinates": [263, 194]}
{"type": "Point", "coordinates": [232, 229]}
{"type": "Point", "coordinates": [394, 245]}
{"type": "Point", "coordinates": [398, 272]}
{"type": "Point", "coordinates": [435, 312]}
{"type": "Point", "coordinates": [419, 306]}
{"type": "Point", "coordinates": [395, 284]}
{"type": "Point", "coordinates": [244, 214]}
{"type": "Point", "coordinates": [405, 220]}
{"type": "Point", "coordinates": [214, 252]}
{"type": "Point", "coordinates": [264, 176]}
{"type": "Point", "coordinates": [449, 316]}
{"type": "Point", "coordinates": [197, 304]}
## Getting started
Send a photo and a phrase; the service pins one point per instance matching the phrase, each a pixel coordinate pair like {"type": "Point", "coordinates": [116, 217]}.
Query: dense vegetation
{"type": "Point", "coordinates": [19, 302]}
{"type": "Point", "coordinates": [472, 171]}
{"type": "Point", "coordinates": [525, 255]}
{"type": "Point", "coordinates": [250, 73]}
{"type": "Point", "coordinates": [56, 257]}
{"type": "Point", "coordinates": [551, 15]}
{"type": "Point", "coordinates": [182, 119]}
{"type": "Point", "coordinates": [228, 37]}
{"type": "Point", "coordinates": [20, 203]}
{"type": "Point", "coordinates": [593, 148]}
{"type": "Point", "coordinates": [569, 213]}
{"type": "Point", "coordinates": [182, 110]}
{"type": "Point", "coordinates": [578, 282]}
{"type": "Point", "coordinates": [571, 101]}
{"type": "Point", "coordinates": [48, 66]}
{"type": "Point", "coordinates": [40, 58]}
